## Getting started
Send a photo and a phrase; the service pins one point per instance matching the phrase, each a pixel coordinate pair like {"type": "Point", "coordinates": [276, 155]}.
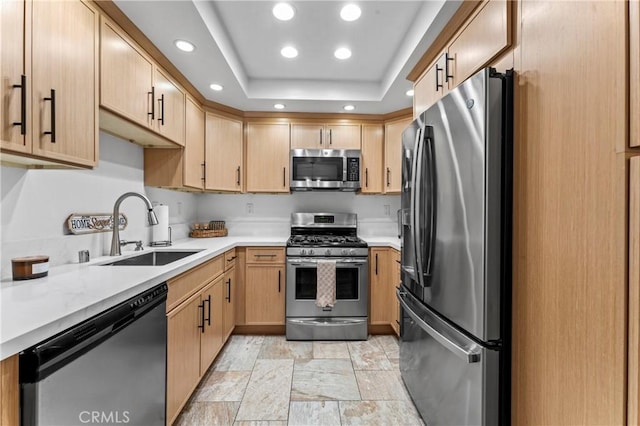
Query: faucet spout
{"type": "Point", "coordinates": [151, 216]}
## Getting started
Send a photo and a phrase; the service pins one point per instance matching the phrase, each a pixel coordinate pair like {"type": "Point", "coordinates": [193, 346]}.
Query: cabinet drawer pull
{"type": "Point", "coordinates": [23, 104]}
{"type": "Point", "coordinates": [238, 172]}
{"type": "Point", "coordinates": [229, 290]}
{"type": "Point", "coordinates": [376, 263]}
{"type": "Point", "coordinates": [209, 310]}
{"type": "Point", "coordinates": [320, 136]}
{"type": "Point", "coordinates": [201, 308]}
{"type": "Point", "coordinates": [388, 176]}
{"type": "Point", "coordinates": [265, 255]}
{"type": "Point", "coordinates": [448, 74]}
{"type": "Point", "coordinates": [330, 138]}
{"type": "Point", "coordinates": [438, 84]}
{"type": "Point", "coordinates": [153, 103]}
{"type": "Point", "coordinates": [279, 274]}
{"type": "Point", "coordinates": [231, 258]}
{"type": "Point", "coordinates": [204, 172]}
{"type": "Point", "coordinates": [366, 177]}
{"type": "Point", "coordinates": [161, 102]}
{"type": "Point", "coordinates": [284, 176]}
{"type": "Point", "coordinates": [52, 98]}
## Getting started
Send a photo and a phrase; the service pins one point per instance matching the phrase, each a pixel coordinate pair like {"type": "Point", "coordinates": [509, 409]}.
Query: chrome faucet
{"type": "Point", "coordinates": [115, 240]}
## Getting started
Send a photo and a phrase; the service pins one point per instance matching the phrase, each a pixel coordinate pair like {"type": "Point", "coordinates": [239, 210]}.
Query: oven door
{"type": "Point", "coordinates": [351, 288]}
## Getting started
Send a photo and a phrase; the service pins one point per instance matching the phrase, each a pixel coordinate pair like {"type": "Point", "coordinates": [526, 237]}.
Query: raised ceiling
{"type": "Point", "coordinates": [238, 46]}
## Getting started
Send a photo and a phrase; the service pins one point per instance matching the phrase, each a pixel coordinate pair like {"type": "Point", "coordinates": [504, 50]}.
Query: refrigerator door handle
{"type": "Point", "coordinates": [415, 207]}
{"type": "Point", "coordinates": [432, 201]}
{"type": "Point", "coordinates": [469, 356]}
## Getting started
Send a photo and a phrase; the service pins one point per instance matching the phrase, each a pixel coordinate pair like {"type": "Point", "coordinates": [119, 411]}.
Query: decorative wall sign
{"type": "Point", "coordinates": [87, 223]}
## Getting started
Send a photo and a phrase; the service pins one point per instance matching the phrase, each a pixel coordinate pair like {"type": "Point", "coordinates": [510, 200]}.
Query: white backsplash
{"type": "Point", "coordinates": [36, 203]}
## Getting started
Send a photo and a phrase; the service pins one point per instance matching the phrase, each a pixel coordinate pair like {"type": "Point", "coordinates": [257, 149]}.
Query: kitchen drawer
{"type": "Point", "coordinates": [182, 286]}
{"type": "Point", "coordinates": [230, 257]}
{"type": "Point", "coordinates": [265, 255]}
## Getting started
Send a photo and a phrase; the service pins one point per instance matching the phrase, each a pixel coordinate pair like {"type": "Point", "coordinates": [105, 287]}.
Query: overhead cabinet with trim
{"type": "Point", "coordinates": [372, 158]}
{"type": "Point", "coordinates": [392, 155]}
{"type": "Point", "coordinates": [325, 136]}
{"type": "Point", "coordinates": [139, 100]}
{"type": "Point", "coordinates": [433, 84]}
{"type": "Point", "coordinates": [49, 92]}
{"type": "Point", "coordinates": [224, 159]}
{"type": "Point", "coordinates": [267, 157]}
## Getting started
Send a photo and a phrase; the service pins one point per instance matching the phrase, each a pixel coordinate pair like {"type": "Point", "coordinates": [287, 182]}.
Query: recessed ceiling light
{"type": "Point", "coordinates": [184, 45]}
{"type": "Point", "coordinates": [216, 87]}
{"type": "Point", "coordinates": [409, 92]}
{"type": "Point", "coordinates": [283, 11]}
{"type": "Point", "coordinates": [289, 52]}
{"type": "Point", "coordinates": [350, 12]}
{"type": "Point", "coordinates": [342, 53]}
{"type": "Point", "coordinates": [349, 107]}
{"type": "Point", "coordinates": [279, 106]}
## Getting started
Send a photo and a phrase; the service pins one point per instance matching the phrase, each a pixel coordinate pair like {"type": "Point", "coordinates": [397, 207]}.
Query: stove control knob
{"type": "Point", "coordinates": [310, 252]}
{"type": "Point", "coordinates": [352, 252]}
{"type": "Point", "coordinates": [328, 252]}
{"type": "Point", "coordinates": [303, 252]}
{"type": "Point", "coordinates": [345, 252]}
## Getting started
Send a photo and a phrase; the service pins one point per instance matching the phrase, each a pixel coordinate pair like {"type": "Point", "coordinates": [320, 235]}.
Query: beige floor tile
{"type": "Point", "coordinates": [368, 355]}
{"type": "Point", "coordinates": [380, 385]}
{"type": "Point", "coordinates": [330, 350]}
{"type": "Point", "coordinates": [223, 386]}
{"type": "Point", "coordinates": [389, 345]}
{"type": "Point", "coordinates": [261, 423]}
{"type": "Point", "coordinates": [312, 413]}
{"type": "Point", "coordinates": [208, 413]}
{"type": "Point", "coordinates": [277, 347]}
{"type": "Point", "coordinates": [267, 394]}
{"type": "Point", "coordinates": [324, 379]}
{"type": "Point", "coordinates": [239, 354]}
{"type": "Point", "coordinates": [383, 413]}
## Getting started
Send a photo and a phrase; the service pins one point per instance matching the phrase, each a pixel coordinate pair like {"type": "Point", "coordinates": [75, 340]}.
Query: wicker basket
{"type": "Point", "coordinates": [215, 228]}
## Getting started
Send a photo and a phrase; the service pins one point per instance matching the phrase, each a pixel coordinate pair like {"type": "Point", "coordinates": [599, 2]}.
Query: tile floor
{"type": "Point", "coordinates": [268, 381]}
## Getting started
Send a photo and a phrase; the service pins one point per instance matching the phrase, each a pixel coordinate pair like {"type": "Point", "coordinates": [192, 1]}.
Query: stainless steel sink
{"type": "Point", "coordinates": [153, 258]}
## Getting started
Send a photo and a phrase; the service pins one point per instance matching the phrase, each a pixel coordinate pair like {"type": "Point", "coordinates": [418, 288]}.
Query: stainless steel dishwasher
{"type": "Point", "coordinates": [108, 370]}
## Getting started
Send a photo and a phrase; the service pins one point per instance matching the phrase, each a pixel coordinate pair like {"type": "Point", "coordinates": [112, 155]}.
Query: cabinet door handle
{"type": "Point", "coordinates": [279, 274]}
{"type": "Point", "coordinates": [388, 176]}
{"type": "Point", "coordinates": [229, 290]}
{"type": "Point", "coordinates": [201, 308]}
{"type": "Point", "coordinates": [320, 136]}
{"type": "Point", "coordinates": [238, 172]}
{"type": "Point", "coordinates": [231, 258]}
{"type": "Point", "coordinates": [264, 255]}
{"type": "Point", "coordinates": [366, 177]}
{"type": "Point", "coordinates": [23, 104]}
{"type": "Point", "coordinates": [330, 138]}
{"type": "Point", "coordinates": [204, 172]}
{"type": "Point", "coordinates": [209, 310]}
{"type": "Point", "coordinates": [284, 176]}
{"type": "Point", "coordinates": [153, 103]}
{"type": "Point", "coordinates": [161, 102]}
{"type": "Point", "coordinates": [376, 263]}
{"type": "Point", "coordinates": [438, 84]}
{"type": "Point", "coordinates": [52, 98]}
{"type": "Point", "coordinates": [448, 75]}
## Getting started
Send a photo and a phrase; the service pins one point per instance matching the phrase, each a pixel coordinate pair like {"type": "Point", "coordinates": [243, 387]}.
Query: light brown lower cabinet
{"type": "Point", "coordinates": [265, 286]}
{"type": "Point", "coordinates": [379, 274]}
{"type": "Point", "coordinates": [9, 391]}
{"type": "Point", "coordinates": [633, 374]}
{"type": "Point", "coordinates": [394, 259]}
{"type": "Point", "coordinates": [228, 302]}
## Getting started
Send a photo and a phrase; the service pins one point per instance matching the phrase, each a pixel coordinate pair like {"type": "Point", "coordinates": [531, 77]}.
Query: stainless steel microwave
{"type": "Point", "coordinates": [325, 169]}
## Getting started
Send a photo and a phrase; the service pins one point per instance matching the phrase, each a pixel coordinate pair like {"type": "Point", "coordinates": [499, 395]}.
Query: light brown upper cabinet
{"type": "Point", "coordinates": [170, 106]}
{"type": "Point", "coordinates": [267, 157]}
{"type": "Point", "coordinates": [325, 136]}
{"type": "Point", "coordinates": [485, 36]}
{"type": "Point", "coordinates": [372, 153]}
{"type": "Point", "coordinates": [133, 88]}
{"type": "Point", "coordinates": [179, 168]}
{"type": "Point", "coordinates": [49, 91]}
{"type": "Point", "coordinates": [393, 155]}
{"type": "Point", "coordinates": [432, 85]}
{"type": "Point", "coordinates": [223, 165]}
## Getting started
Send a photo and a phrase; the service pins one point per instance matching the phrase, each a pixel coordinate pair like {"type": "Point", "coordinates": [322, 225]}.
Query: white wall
{"type": "Point", "coordinates": [374, 217]}
{"type": "Point", "coordinates": [35, 205]}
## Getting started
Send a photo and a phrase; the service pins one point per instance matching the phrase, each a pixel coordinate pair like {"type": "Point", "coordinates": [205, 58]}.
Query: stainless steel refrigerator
{"type": "Point", "coordinates": [455, 224]}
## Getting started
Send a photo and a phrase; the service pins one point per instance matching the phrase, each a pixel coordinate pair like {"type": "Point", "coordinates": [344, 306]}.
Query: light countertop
{"type": "Point", "coordinates": [33, 310]}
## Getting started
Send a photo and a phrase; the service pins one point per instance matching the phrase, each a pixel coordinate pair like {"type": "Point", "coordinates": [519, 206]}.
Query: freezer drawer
{"type": "Point", "coordinates": [452, 380]}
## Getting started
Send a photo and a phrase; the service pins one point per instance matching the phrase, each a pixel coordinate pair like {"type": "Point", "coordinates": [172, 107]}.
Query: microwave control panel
{"type": "Point", "coordinates": [353, 169]}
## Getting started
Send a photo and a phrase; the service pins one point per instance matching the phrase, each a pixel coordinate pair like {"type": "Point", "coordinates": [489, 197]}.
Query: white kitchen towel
{"type": "Point", "coordinates": [326, 283]}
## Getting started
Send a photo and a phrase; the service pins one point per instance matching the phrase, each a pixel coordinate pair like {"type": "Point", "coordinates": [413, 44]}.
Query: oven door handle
{"type": "Point", "coordinates": [307, 262]}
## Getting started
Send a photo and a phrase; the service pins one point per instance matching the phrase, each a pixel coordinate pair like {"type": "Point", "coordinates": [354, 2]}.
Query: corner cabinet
{"type": "Point", "coordinates": [49, 92]}
{"type": "Point", "coordinates": [265, 286]}
{"type": "Point", "coordinates": [325, 136]}
{"type": "Point", "coordinates": [139, 101]}
{"type": "Point", "coordinates": [223, 147]}
{"type": "Point", "coordinates": [392, 155]}
{"type": "Point", "coordinates": [268, 157]}
{"type": "Point", "coordinates": [372, 155]}
{"type": "Point", "coordinates": [379, 275]}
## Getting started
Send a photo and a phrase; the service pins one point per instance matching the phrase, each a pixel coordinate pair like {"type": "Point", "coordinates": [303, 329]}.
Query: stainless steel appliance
{"type": "Point", "coordinates": [325, 169]}
{"type": "Point", "coordinates": [455, 222]}
{"type": "Point", "coordinates": [316, 236]}
{"type": "Point", "coordinates": [109, 369]}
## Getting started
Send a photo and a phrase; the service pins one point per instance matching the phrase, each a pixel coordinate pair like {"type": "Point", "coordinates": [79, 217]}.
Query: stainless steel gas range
{"type": "Point", "coordinates": [326, 236]}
